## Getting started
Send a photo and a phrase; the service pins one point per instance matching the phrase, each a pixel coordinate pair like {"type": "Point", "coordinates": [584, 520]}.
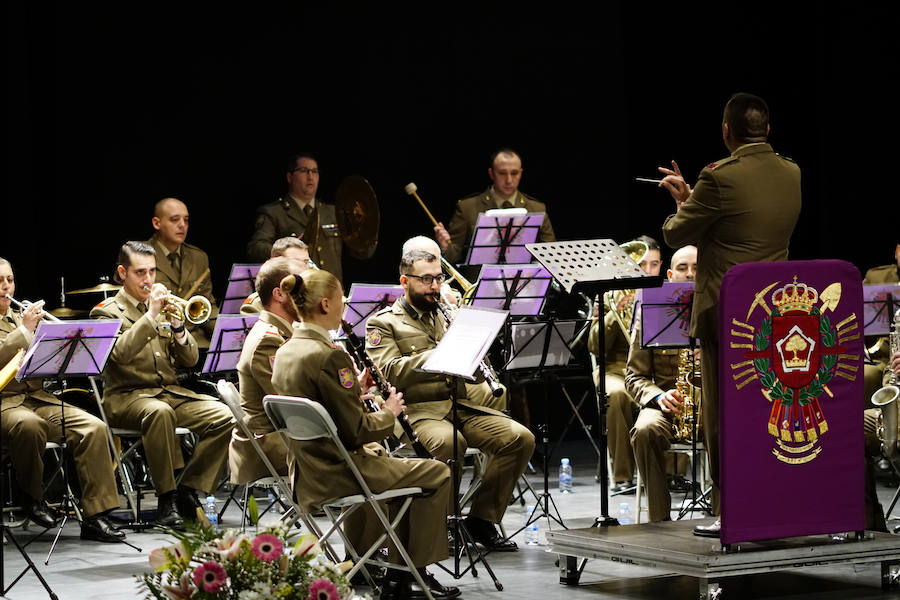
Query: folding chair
{"type": "Point", "coordinates": [702, 472]}
{"type": "Point", "coordinates": [302, 419]}
{"type": "Point", "coordinates": [232, 399]}
{"type": "Point", "coordinates": [57, 452]}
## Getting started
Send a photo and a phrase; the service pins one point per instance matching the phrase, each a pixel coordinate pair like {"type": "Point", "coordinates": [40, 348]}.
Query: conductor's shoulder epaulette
{"type": "Point", "coordinates": [721, 163]}
{"type": "Point", "coordinates": [787, 158]}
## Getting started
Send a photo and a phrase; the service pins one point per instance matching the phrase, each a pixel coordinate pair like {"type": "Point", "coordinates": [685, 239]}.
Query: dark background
{"type": "Point", "coordinates": [111, 107]}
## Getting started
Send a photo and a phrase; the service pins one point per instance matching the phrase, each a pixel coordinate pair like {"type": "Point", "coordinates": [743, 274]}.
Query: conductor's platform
{"type": "Point", "coordinates": [672, 546]}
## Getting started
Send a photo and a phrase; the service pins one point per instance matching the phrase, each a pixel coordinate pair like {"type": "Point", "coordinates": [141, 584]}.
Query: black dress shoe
{"type": "Point", "coordinates": [438, 591]}
{"type": "Point", "coordinates": [39, 514]}
{"type": "Point", "coordinates": [99, 529]}
{"type": "Point", "coordinates": [711, 531]}
{"type": "Point", "coordinates": [187, 503]}
{"type": "Point", "coordinates": [623, 487]}
{"type": "Point", "coordinates": [485, 534]}
{"type": "Point", "coordinates": [167, 512]}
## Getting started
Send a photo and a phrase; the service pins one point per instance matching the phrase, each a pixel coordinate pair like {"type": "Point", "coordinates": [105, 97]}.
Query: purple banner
{"type": "Point", "coordinates": [790, 392]}
{"type": "Point", "coordinates": [879, 303]}
{"type": "Point", "coordinates": [665, 314]}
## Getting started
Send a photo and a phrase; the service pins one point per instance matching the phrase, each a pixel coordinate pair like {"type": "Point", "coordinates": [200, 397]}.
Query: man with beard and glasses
{"type": "Point", "coordinates": [400, 338]}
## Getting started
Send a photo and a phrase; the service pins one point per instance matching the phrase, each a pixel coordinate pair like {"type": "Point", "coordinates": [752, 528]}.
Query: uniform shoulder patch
{"type": "Point", "coordinates": [345, 377]}
{"type": "Point", "coordinates": [384, 310]}
{"type": "Point", "coordinates": [373, 336]}
{"type": "Point", "coordinates": [720, 163]}
{"type": "Point", "coordinates": [105, 302]}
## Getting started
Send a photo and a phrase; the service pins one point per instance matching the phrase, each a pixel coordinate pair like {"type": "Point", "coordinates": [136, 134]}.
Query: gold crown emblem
{"type": "Point", "coordinates": [795, 297]}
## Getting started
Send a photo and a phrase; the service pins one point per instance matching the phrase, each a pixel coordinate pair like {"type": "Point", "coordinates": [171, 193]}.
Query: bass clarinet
{"type": "Point", "coordinates": [384, 388]}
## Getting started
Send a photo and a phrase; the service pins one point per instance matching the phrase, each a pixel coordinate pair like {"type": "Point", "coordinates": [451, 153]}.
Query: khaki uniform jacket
{"type": "Point", "coordinates": [743, 209]}
{"type": "Point", "coordinates": [12, 339]}
{"type": "Point", "coordinates": [616, 343]}
{"type": "Point", "coordinates": [252, 305]}
{"type": "Point", "coordinates": [310, 366]}
{"type": "Point", "coordinates": [194, 262]}
{"type": "Point", "coordinates": [462, 224]}
{"type": "Point", "coordinates": [143, 361]}
{"type": "Point", "coordinates": [883, 274]}
{"type": "Point", "coordinates": [254, 368]}
{"type": "Point", "coordinates": [399, 345]}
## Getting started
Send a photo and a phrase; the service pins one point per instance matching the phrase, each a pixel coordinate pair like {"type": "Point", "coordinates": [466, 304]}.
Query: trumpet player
{"type": "Point", "coordinates": [185, 270]}
{"type": "Point", "coordinates": [399, 339]}
{"type": "Point", "coordinates": [140, 389]}
{"type": "Point", "coordinates": [30, 417]}
{"type": "Point", "coordinates": [650, 378]}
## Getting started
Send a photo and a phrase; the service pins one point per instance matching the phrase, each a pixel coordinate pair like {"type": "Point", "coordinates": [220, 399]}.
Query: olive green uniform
{"type": "Point", "coordinates": [310, 366]}
{"type": "Point", "coordinates": [399, 341]}
{"type": "Point", "coordinates": [879, 348]}
{"type": "Point", "coordinates": [29, 417]}
{"type": "Point", "coordinates": [742, 209]}
{"type": "Point", "coordinates": [141, 391]}
{"type": "Point", "coordinates": [255, 378]}
{"type": "Point", "coordinates": [252, 304]}
{"type": "Point", "coordinates": [465, 216]}
{"type": "Point", "coordinates": [179, 274]}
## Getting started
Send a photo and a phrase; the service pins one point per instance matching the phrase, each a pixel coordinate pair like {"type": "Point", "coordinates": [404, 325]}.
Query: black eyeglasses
{"type": "Point", "coordinates": [428, 279]}
{"type": "Point", "coordinates": [305, 171]}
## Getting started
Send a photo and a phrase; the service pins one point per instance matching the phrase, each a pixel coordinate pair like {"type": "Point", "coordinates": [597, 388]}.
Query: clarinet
{"type": "Point", "coordinates": [384, 387]}
{"type": "Point", "coordinates": [488, 373]}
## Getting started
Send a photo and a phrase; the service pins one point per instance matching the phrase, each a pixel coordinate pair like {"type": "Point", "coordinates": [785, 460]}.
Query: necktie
{"type": "Point", "coordinates": [307, 210]}
{"type": "Point", "coordinates": [175, 259]}
{"type": "Point", "coordinates": [507, 204]}
{"type": "Point", "coordinates": [142, 307]}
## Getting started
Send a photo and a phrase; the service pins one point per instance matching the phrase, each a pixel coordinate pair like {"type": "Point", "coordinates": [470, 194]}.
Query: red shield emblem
{"type": "Point", "coordinates": [796, 348]}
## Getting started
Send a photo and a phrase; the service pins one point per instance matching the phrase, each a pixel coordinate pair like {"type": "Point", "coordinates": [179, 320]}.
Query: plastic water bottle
{"type": "Point", "coordinates": [273, 502]}
{"type": "Point", "coordinates": [211, 513]}
{"type": "Point", "coordinates": [532, 532]}
{"type": "Point", "coordinates": [565, 477]}
{"type": "Point", "coordinates": [624, 514]}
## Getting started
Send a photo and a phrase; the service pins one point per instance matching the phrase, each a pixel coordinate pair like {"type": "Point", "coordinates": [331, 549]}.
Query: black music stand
{"type": "Point", "coordinates": [457, 356]}
{"type": "Point", "coordinates": [501, 237]}
{"type": "Point", "coordinates": [365, 299]}
{"type": "Point", "coordinates": [665, 318]}
{"type": "Point", "coordinates": [241, 283]}
{"type": "Point", "coordinates": [225, 345]}
{"type": "Point", "coordinates": [593, 267]}
{"type": "Point", "coordinates": [69, 349]}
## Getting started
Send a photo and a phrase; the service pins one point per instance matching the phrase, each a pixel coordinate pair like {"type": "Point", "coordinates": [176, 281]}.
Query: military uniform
{"type": "Point", "coordinates": [742, 209]}
{"type": "Point", "coordinates": [252, 304]}
{"type": "Point", "coordinates": [31, 417]}
{"type": "Point", "coordinates": [622, 408]}
{"type": "Point", "coordinates": [179, 274]}
{"type": "Point", "coordinates": [879, 348]}
{"type": "Point", "coordinates": [140, 391]}
{"type": "Point", "coordinates": [883, 274]}
{"type": "Point", "coordinates": [399, 340]}
{"type": "Point", "coordinates": [310, 366]}
{"type": "Point", "coordinates": [284, 218]}
{"type": "Point", "coordinates": [462, 224]}
{"type": "Point", "coordinates": [255, 376]}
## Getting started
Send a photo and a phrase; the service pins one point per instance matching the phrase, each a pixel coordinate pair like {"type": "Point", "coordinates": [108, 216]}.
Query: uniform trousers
{"type": "Point", "coordinates": [26, 430]}
{"type": "Point", "coordinates": [244, 463]}
{"type": "Point", "coordinates": [709, 369]}
{"type": "Point", "coordinates": [156, 419]}
{"type": "Point", "coordinates": [874, 512]}
{"type": "Point", "coordinates": [619, 420]}
{"type": "Point", "coordinates": [507, 444]}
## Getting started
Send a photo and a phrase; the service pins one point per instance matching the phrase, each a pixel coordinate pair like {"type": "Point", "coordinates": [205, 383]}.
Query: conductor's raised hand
{"type": "Point", "coordinates": [394, 402]}
{"type": "Point", "coordinates": [675, 183]}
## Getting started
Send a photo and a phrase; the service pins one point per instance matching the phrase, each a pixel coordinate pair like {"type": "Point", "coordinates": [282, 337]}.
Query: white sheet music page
{"type": "Point", "coordinates": [466, 342]}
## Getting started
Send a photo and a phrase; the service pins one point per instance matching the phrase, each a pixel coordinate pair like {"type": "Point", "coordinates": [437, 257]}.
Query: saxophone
{"type": "Point", "coordinates": [687, 380]}
{"type": "Point", "coordinates": [886, 400]}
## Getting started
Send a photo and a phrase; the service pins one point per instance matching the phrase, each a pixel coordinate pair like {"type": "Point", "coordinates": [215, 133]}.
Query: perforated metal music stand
{"type": "Point", "coordinates": [241, 283]}
{"type": "Point", "coordinates": [500, 239]}
{"type": "Point", "coordinates": [365, 300]}
{"type": "Point", "coordinates": [226, 342]}
{"type": "Point", "coordinates": [593, 267]}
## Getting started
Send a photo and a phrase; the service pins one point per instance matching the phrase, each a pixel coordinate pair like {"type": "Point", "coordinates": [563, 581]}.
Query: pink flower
{"type": "Point", "coordinates": [267, 547]}
{"type": "Point", "coordinates": [210, 577]}
{"type": "Point", "coordinates": [322, 589]}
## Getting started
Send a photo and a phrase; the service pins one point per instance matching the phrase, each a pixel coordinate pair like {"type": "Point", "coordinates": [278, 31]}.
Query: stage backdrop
{"type": "Point", "coordinates": [790, 390]}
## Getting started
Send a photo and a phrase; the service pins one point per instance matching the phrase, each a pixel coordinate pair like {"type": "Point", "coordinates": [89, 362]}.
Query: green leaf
{"type": "Point", "coordinates": [253, 509]}
{"type": "Point", "coordinates": [762, 365]}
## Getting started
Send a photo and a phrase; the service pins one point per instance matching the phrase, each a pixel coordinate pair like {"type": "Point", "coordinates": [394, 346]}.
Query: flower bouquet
{"type": "Point", "coordinates": [205, 564]}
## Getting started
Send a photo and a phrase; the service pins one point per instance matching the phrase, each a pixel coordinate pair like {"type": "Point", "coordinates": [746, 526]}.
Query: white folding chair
{"type": "Point", "coordinates": [232, 399]}
{"type": "Point", "coordinates": [302, 419]}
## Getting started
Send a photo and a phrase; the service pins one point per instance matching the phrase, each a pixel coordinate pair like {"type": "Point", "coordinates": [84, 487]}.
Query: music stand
{"type": "Point", "coordinates": [879, 303]}
{"type": "Point", "coordinates": [241, 283]}
{"type": "Point", "coordinates": [458, 355]}
{"type": "Point", "coordinates": [665, 317]}
{"type": "Point", "coordinates": [520, 289]}
{"type": "Point", "coordinates": [226, 342]}
{"type": "Point", "coordinates": [365, 300]}
{"type": "Point", "coordinates": [500, 239]}
{"type": "Point", "coordinates": [593, 267]}
{"type": "Point", "coordinates": [69, 349]}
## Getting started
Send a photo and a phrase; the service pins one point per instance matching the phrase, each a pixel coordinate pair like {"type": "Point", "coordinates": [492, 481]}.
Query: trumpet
{"type": "Point", "coordinates": [24, 304]}
{"type": "Point", "coordinates": [195, 310]}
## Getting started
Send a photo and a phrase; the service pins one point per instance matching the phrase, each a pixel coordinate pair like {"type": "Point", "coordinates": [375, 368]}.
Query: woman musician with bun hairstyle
{"type": "Point", "coordinates": [309, 365]}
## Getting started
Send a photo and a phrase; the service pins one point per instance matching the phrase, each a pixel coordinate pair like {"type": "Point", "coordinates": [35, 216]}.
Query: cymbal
{"type": "Point", "coordinates": [358, 217]}
{"type": "Point", "coordinates": [64, 312]}
{"type": "Point", "coordinates": [103, 287]}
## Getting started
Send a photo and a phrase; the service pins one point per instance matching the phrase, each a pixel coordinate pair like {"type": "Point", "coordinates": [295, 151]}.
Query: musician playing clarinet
{"type": "Point", "coordinates": [399, 339]}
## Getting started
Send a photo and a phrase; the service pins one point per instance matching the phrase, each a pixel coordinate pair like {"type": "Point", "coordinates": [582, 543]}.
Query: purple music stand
{"type": "Point", "coordinates": [69, 349]}
{"type": "Point", "coordinates": [226, 342]}
{"type": "Point", "coordinates": [501, 239]}
{"type": "Point", "coordinates": [365, 300]}
{"type": "Point", "coordinates": [666, 315]}
{"type": "Point", "coordinates": [241, 283]}
{"type": "Point", "coordinates": [520, 289]}
{"type": "Point", "coordinates": [879, 303]}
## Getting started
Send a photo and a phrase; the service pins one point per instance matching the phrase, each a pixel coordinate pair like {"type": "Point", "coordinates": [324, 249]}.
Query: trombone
{"type": "Point", "coordinates": [23, 304]}
{"type": "Point", "coordinates": [636, 250]}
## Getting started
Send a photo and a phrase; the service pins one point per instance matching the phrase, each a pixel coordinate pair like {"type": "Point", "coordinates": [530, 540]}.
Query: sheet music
{"type": "Point", "coordinates": [466, 342]}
